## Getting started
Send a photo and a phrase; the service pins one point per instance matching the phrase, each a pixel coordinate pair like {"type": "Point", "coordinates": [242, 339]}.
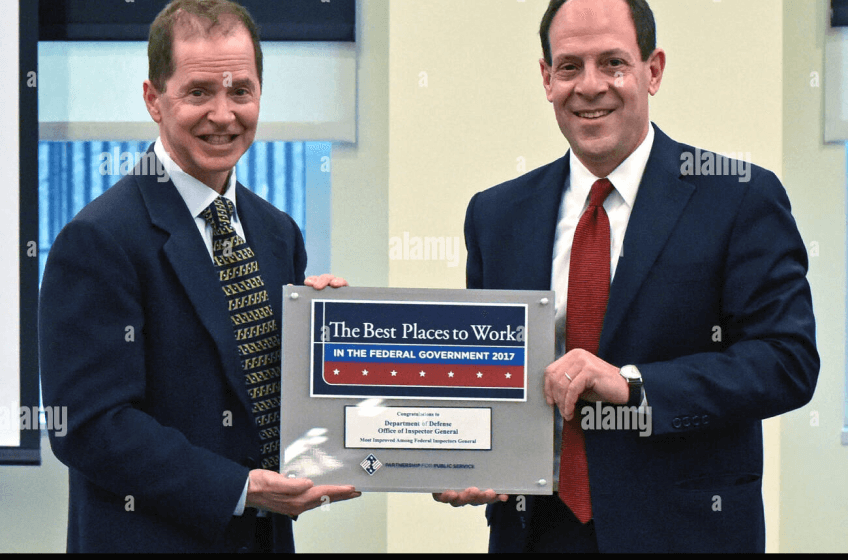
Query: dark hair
{"type": "Point", "coordinates": [643, 20]}
{"type": "Point", "coordinates": [179, 12]}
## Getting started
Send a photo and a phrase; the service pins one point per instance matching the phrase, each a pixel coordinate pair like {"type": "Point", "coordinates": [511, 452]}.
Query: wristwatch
{"type": "Point", "coordinates": [634, 380]}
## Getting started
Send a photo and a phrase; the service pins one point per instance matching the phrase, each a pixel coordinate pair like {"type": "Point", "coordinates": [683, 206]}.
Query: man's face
{"type": "Point", "coordinates": [208, 112]}
{"type": "Point", "coordinates": [597, 81]}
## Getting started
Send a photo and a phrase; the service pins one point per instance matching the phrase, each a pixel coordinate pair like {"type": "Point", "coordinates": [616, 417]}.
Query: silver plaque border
{"type": "Point", "coordinates": [312, 430]}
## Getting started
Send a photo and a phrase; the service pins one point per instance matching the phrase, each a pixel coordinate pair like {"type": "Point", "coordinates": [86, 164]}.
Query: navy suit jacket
{"type": "Point", "coordinates": [710, 301]}
{"type": "Point", "coordinates": [136, 340]}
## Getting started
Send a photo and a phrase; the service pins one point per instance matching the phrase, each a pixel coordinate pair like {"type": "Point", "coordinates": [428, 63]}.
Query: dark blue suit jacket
{"type": "Point", "coordinates": [136, 340]}
{"type": "Point", "coordinates": [700, 252]}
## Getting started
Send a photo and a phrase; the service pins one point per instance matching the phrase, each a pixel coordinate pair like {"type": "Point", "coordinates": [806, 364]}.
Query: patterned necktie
{"type": "Point", "coordinates": [254, 326]}
{"type": "Point", "coordinates": [588, 291]}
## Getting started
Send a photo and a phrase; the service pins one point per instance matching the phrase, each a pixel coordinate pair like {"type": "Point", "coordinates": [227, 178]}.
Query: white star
{"type": "Point", "coordinates": [394, 374]}
{"type": "Point", "coordinates": [479, 375]}
{"type": "Point", "coordinates": [450, 374]}
{"type": "Point", "coordinates": [364, 372]}
{"type": "Point", "coordinates": [335, 372]}
{"type": "Point", "coordinates": [423, 374]}
{"type": "Point", "coordinates": [508, 375]}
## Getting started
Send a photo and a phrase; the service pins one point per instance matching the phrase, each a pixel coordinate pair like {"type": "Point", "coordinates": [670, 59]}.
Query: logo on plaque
{"type": "Point", "coordinates": [459, 350]}
{"type": "Point", "coordinates": [371, 464]}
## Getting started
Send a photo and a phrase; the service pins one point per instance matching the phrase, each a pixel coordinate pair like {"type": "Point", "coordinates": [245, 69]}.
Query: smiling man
{"type": "Point", "coordinates": [159, 319]}
{"type": "Point", "coordinates": [681, 296]}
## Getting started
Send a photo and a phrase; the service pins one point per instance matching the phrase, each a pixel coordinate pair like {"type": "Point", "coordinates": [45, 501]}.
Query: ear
{"type": "Point", "coordinates": [656, 65]}
{"type": "Point", "coordinates": [546, 79]}
{"type": "Point", "coordinates": [152, 99]}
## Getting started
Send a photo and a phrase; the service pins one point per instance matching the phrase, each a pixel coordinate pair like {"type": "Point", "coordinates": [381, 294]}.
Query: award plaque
{"type": "Point", "coordinates": [414, 390]}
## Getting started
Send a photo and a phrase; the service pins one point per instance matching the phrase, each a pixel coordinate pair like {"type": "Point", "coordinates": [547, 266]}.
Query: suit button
{"type": "Point", "coordinates": [676, 423]}
{"type": "Point", "coordinates": [705, 419]}
{"type": "Point", "coordinates": [696, 420]}
{"type": "Point", "coordinates": [243, 550]}
{"type": "Point", "coordinates": [686, 421]}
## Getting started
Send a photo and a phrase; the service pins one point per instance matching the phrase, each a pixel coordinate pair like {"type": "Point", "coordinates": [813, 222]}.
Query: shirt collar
{"type": "Point", "coordinates": [625, 178]}
{"type": "Point", "coordinates": [197, 195]}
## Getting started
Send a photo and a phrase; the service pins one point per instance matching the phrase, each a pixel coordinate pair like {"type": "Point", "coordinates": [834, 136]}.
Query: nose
{"type": "Point", "coordinates": [220, 110]}
{"type": "Point", "coordinates": [592, 82]}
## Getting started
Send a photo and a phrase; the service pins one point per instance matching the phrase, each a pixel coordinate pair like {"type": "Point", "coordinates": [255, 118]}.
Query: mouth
{"type": "Point", "coordinates": [593, 115]}
{"type": "Point", "coordinates": [218, 139]}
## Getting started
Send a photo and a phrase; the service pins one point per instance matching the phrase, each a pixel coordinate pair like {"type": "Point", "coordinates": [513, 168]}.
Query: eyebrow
{"type": "Point", "coordinates": [619, 53]}
{"type": "Point", "coordinates": [243, 82]}
{"type": "Point", "coordinates": [201, 83]}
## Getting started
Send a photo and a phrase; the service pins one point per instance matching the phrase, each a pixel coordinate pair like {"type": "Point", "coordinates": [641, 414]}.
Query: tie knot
{"type": "Point", "coordinates": [600, 191]}
{"type": "Point", "coordinates": [218, 213]}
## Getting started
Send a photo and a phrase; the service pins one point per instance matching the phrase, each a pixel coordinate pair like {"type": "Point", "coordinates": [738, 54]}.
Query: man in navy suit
{"type": "Point", "coordinates": [708, 325]}
{"type": "Point", "coordinates": [136, 334]}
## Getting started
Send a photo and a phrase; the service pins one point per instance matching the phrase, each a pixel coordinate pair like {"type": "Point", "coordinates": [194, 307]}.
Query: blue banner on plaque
{"type": "Point", "coordinates": [417, 350]}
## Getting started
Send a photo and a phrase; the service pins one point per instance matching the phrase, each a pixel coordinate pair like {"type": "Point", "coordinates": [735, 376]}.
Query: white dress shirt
{"type": "Point", "coordinates": [618, 206]}
{"type": "Point", "coordinates": [198, 196]}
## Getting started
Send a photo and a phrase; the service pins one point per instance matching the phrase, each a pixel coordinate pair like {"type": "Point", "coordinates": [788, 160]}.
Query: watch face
{"type": "Point", "coordinates": [630, 372]}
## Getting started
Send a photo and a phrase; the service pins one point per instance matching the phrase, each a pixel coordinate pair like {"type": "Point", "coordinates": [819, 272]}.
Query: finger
{"type": "Point", "coordinates": [549, 385]}
{"type": "Point", "coordinates": [456, 498]}
{"type": "Point", "coordinates": [554, 378]}
{"type": "Point", "coordinates": [557, 389]}
{"type": "Point", "coordinates": [483, 497]}
{"type": "Point", "coordinates": [338, 492]}
{"type": "Point", "coordinates": [487, 497]}
{"type": "Point", "coordinates": [559, 394]}
{"type": "Point", "coordinates": [290, 486]}
{"type": "Point", "coordinates": [322, 281]}
{"type": "Point", "coordinates": [574, 391]}
{"type": "Point", "coordinates": [445, 497]}
{"type": "Point", "coordinates": [474, 496]}
{"type": "Point", "coordinates": [337, 282]}
{"type": "Point", "coordinates": [318, 282]}
{"type": "Point", "coordinates": [317, 497]}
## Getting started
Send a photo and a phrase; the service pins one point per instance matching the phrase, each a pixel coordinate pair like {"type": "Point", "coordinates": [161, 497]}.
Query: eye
{"type": "Point", "coordinates": [568, 69]}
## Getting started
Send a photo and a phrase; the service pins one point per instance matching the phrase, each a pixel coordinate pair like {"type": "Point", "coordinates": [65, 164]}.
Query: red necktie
{"type": "Point", "coordinates": [588, 291]}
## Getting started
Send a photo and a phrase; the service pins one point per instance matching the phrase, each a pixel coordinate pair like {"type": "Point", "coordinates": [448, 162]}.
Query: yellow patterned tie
{"type": "Point", "coordinates": [255, 329]}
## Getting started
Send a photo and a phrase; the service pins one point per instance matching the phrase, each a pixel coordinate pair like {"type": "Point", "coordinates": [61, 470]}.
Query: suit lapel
{"type": "Point", "coordinates": [190, 260]}
{"type": "Point", "coordinates": [537, 212]}
{"type": "Point", "coordinates": [661, 198]}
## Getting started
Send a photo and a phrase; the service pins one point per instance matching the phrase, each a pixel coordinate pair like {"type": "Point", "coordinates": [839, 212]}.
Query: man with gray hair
{"type": "Point", "coordinates": [159, 319]}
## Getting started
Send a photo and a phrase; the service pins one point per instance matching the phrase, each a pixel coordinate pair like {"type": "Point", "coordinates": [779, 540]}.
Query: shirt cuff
{"type": "Point", "coordinates": [643, 405]}
{"type": "Point", "coordinates": [243, 500]}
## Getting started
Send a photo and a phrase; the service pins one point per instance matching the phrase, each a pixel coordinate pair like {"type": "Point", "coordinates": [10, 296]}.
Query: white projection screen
{"type": "Point", "coordinates": [19, 430]}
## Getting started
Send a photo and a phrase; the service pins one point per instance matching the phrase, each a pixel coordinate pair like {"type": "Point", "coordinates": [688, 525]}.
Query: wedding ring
{"type": "Point", "coordinates": [568, 376]}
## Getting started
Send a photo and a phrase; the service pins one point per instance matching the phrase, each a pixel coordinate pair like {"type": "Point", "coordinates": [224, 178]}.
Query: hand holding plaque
{"type": "Point", "coordinates": [271, 491]}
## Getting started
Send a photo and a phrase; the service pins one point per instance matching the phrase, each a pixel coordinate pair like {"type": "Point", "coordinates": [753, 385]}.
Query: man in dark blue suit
{"type": "Point", "coordinates": [705, 328]}
{"type": "Point", "coordinates": [159, 319]}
